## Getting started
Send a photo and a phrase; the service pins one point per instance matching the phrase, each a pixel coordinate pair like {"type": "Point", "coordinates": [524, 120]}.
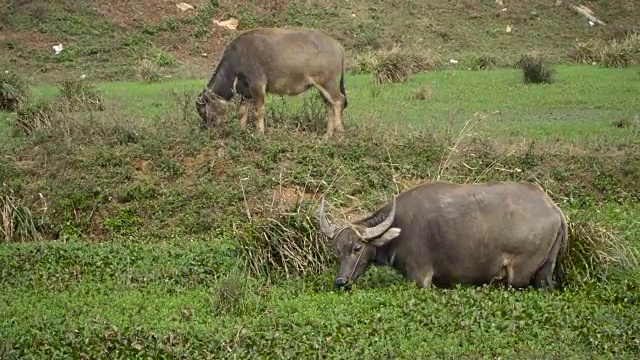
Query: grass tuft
{"type": "Point", "coordinates": [16, 220]}
{"type": "Point", "coordinates": [536, 68]}
{"type": "Point", "coordinates": [285, 243]}
{"type": "Point", "coordinates": [147, 71]}
{"type": "Point", "coordinates": [14, 91]}
{"type": "Point", "coordinates": [309, 117]}
{"type": "Point", "coordinates": [595, 251]}
{"type": "Point", "coordinates": [397, 66]}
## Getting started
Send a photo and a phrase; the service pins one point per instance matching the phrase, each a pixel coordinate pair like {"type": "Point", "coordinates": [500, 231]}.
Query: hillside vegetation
{"type": "Point", "coordinates": [117, 40]}
{"type": "Point", "coordinates": [128, 232]}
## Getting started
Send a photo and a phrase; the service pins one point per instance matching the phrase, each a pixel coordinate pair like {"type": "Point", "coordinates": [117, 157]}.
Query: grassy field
{"type": "Point", "coordinates": [146, 248]}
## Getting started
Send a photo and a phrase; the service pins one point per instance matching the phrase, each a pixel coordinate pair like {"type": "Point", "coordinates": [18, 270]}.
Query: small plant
{"type": "Point", "coordinates": [13, 91]}
{"type": "Point", "coordinates": [536, 69]}
{"type": "Point", "coordinates": [626, 122]}
{"type": "Point", "coordinates": [234, 293]}
{"type": "Point", "coordinates": [81, 95]}
{"type": "Point", "coordinates": [147, 71]}
{"type": "Point", "coordinates": [484, 62]}
{"type": "Point", "coordinates": [421, 93]}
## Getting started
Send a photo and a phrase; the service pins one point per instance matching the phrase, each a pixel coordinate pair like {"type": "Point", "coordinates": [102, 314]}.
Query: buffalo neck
{"type": "Point", "coordinates": [221, 82]}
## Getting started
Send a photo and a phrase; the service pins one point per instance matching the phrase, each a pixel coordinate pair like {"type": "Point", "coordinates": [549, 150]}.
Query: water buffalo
{"type": "Point", "coordinates": [443, 234]}
{"type": "Point", "coordinates": [282, 61]}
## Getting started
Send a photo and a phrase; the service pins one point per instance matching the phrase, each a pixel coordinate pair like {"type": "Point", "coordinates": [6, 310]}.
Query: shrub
{"type": "Point", "coordinates": [536, 68]}
{"type": "Point", "coordinates": [81, 95]}
{"type": "Point", "coordinates": [13, 91]}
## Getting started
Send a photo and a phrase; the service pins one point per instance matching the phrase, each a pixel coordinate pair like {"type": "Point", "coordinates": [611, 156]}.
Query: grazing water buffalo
{"type": "Point", "coordinates": [444, 234]}
{"type": "Point", "coordinates": [282, 61]}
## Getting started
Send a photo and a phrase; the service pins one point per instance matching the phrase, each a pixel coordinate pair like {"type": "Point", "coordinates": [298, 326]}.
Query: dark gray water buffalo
{"type": "Point", "coordinates": [282, 61]}
{"type": "Point", "coordinates": [444, 234]}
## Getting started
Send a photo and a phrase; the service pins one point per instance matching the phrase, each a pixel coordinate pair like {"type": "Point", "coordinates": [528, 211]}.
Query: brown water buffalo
{"type": "Point", "coordinates": [444, 234]}
{"type": "Point", "coordinates": [282, 61]}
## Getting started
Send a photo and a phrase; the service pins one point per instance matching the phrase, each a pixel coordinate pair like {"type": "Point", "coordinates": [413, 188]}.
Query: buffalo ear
{"type": "Point", "coordinates": [388, 235]}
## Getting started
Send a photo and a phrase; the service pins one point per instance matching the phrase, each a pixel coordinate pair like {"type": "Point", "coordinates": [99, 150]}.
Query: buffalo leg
{"type": "Point", "coordinates": [544, 277]}
{"type": "Point", "coordinates": [243, 112]}
{"type": "Point", "coordinates": [330, 122]}
{"type": "Point", "coordinates": [423, 279]}
{"type": "Point", "coordinates": [258, 104]}
{"type": "Point", "coordinates": [338, 109]}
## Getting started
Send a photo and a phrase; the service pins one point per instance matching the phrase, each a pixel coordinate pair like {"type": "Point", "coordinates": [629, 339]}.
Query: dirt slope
{"type": "Point", "coordinates": [107, 39]}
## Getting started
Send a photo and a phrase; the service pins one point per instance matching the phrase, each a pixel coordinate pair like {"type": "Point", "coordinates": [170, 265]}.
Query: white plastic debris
{"type": "Point", "coordinates": [508, 29]}
{"type": "Point", "coordinates": [184, 6]}
{"type": "Point", "coordinates": [591, 23]}
{"type": "Point", "coordinates": [57, 48]}
{"type": "Point", "coordinates": [83, 76]}
{"type": "Point", "coordinates": [453, 61]}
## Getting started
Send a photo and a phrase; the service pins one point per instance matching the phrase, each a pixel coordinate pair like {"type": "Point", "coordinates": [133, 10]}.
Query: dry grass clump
{"type": "Point", "coordinates": [16, 220]}
{"type": "Point", "coordinates": [147, 71]}
{"type": "Point", "coordinates": [286, 242]}
{"type": "Point", "coordinates": [396, 65]}
{"type": "Point", "coordinates": [35, 117]}
{"type": "Point", "coordinates": [594, 251]}
{"type": "Point", "coordinates": [536, 68]}
{"type": "Point", "coordinates": [621, 53]}
{"type": "Point", "coordinates": [80, 94]}
{"type": "Point", "coordinates": [614, 53]}
{"type": "Point", "coordinates": [588, 52]}
{"type": "Point", "coordinates": [484, 62]}
{"type": "Point", "coordinates": [14, 91]}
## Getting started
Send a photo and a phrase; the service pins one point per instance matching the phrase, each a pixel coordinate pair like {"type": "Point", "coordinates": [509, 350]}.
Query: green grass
{"type": "Point", "coordinates": [578, 108]}
{"type": "Point", "coordinates": [148, 212]}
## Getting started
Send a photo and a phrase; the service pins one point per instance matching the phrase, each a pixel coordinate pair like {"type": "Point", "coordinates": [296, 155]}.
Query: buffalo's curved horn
{"type": "Point", "coordinates": [326, 227]}
{"type": "Point", "coordinates": [377, 230]}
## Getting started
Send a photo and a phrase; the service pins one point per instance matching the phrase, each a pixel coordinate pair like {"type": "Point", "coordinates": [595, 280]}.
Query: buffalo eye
{"type": "Point", "coordinates": [357, 248]}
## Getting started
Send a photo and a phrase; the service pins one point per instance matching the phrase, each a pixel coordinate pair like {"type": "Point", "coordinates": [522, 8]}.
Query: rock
{"type": "Point", "coordinates": [184, 6]}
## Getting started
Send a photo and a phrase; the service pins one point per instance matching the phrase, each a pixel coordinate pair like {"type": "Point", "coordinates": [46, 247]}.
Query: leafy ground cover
{"type": "Point", "coordinates": [148, 237]}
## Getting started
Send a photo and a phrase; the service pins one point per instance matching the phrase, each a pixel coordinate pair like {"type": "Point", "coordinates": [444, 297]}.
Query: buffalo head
{"type": "Point", "coordinates": [210, 107]}
{"type": "Point", "coordinates": [357, 244]}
